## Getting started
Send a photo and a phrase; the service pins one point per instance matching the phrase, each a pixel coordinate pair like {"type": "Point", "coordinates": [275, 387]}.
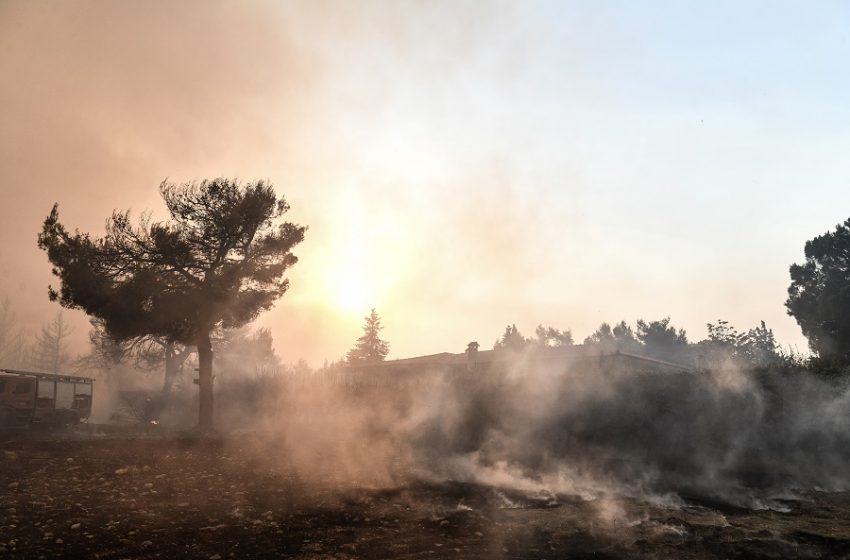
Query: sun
{"type": "Point", "coordinates": [351, 294]}
{"type": "Point", "coordinates": [352, 282]}
{"type": "Point", "coordinates": [362, 257]}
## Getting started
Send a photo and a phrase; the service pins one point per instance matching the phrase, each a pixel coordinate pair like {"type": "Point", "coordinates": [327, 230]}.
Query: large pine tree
{"type": "Point", "coordinates": [819, 294]}
{"type": "Point", "coordinates": [217, 262]}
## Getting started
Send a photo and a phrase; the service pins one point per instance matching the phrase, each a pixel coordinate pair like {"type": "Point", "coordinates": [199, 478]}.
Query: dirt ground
{"type": "Point", "coordinates": [217, 498]}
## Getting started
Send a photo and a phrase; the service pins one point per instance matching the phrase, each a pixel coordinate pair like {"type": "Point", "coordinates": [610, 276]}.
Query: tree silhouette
{"type": "Point", "coordinates": [620, 338]}
{"type": "Point", "coordinates": [511, 339]}
{"type": "Point", "coordinates": [49, 352]}
{"type": "Point", "coordinates": [217, 262]}
{"type": "Point", "coordinates": [242, 353]}
{"type": "Point", "coordinates": [662, 340]}
{"type": "Point", "coordinates": [819, 294]}
{"type": "Point", "coordinates": [758, 347]}
{"type": "Point", "coordinates": [725, 345]}
{"type": "Point", "coordinates": [552, 337]}
{"type": "Point", "coordinates": [146, 352]}
{"type": "Point", "coordinates": [721, 346]}
{"type": "Point", "coordinates": [369, 347]}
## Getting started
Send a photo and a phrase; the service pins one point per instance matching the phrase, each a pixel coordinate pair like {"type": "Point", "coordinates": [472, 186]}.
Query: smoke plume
{"type": "Point", "coordinates": [744, 439]}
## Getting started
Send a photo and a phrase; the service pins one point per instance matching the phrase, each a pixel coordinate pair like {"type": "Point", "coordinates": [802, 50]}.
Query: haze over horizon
{"type": "Point", "coordinates": [460, 166]}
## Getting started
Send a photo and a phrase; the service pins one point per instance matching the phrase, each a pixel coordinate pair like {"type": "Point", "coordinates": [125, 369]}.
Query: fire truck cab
{"type": "Point", "coordinates": [30, 398]}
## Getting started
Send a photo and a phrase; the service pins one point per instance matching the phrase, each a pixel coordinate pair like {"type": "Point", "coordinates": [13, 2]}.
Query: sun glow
{"type": "Point", "coordinates": [350, 293]}
{"type": "Point", "coordinates": [365, 257]}
{"type": "Point", "coordinates": [351, 281]}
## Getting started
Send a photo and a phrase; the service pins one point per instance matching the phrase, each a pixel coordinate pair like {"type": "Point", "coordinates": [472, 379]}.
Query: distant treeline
{"type": "Point", "coordinates": [725, 346]}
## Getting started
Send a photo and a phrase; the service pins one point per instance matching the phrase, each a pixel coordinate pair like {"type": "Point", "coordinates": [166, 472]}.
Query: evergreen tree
{"type": "Point", "coordinates": [302, 368]}
{"type": "Point", "coordinates": [819, 294]}
{"type": "Point", "coordinates": [663, 341]}
{"type": "Point", "coordinates": [758, 347]}
{"type": "Point", "coordinates": [625, 338]}
{"type": "Point", "coordinates": [511, 339]}
{"type": "Point", "coordinates": [620, 338]}
{"type": "Point", "coordinates": [552, 337]}
{"type": "Point", "coordinates": [369, 347]}
{"type": "Point", "coordinates": [50, 350]}
{"type": "Point", "coordinates": [726, 346]}
{"type": "Point", "coordinates": [602, 337]}
{"type": "Point", "coordinates": [241, 353]}
{"type": "Point", "coordinates": [216, 263]}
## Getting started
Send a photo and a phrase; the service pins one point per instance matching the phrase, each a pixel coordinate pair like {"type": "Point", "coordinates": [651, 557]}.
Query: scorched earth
{"type": "Point", "coordinates": [190, 497]}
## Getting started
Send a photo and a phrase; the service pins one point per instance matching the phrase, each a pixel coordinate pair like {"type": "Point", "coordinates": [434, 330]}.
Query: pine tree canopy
{"type": "Point", "coordinates": [369, 347]}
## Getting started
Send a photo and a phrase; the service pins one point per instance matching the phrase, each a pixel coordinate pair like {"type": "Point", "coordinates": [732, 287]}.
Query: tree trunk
{"type": "Point", "coordinates": [170, 369]}
{"type": "Point", "coordinates": [205, 382]}
{"type": "Point", "coordinates": [173, 366]}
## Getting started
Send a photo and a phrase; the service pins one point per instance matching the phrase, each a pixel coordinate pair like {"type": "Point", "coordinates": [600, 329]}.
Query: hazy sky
{"type": "Point", "coordinates": [460, 165]}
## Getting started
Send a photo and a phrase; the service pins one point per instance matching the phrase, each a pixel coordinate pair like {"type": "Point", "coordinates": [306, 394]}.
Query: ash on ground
{"type": "Point", "coordinates": [167, 496]}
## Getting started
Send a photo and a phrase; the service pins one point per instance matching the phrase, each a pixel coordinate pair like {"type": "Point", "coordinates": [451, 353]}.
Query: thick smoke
{"type": "Point", "coordinates": [731, 437]}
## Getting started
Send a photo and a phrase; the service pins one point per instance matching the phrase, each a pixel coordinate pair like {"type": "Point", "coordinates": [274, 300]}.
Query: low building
{"type": "Point", "coordinates": [566, 359]}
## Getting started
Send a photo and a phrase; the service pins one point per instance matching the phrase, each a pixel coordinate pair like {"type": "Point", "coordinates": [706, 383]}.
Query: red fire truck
{"type": "Point", "coordinates": [30, 398]}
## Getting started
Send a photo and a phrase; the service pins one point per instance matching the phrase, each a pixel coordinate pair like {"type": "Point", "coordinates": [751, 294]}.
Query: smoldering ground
{"type": "Point", "coordinates": [523, 462]}
{"type": "Point", "coordinates": [744, 439]}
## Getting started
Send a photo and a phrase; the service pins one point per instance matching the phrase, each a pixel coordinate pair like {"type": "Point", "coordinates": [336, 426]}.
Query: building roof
{"type": "Point", "coordinates": [562, 353]}
{"type": "Point", "coordinates": [51, 376]}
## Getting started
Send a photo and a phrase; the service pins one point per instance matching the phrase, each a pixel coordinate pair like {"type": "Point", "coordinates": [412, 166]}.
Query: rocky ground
{"type": "Point", "coordinates": [187, 497]}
